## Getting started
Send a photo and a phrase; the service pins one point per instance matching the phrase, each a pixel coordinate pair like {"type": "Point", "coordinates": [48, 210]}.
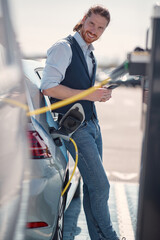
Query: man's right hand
{"type": "Point", "coordinates": [100, 95]}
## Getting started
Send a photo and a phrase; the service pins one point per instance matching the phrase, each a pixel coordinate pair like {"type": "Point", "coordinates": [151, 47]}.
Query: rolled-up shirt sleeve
{"type": "Point", "coordinates": [58, 59]}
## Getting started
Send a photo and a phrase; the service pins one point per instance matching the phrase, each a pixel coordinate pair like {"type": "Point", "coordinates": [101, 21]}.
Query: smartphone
{"type": "Point", "coordinates": [112, 86]}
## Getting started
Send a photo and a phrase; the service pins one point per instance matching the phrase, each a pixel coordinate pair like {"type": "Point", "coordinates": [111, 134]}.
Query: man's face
{"type": "Point", "coordinates": [93, 27]}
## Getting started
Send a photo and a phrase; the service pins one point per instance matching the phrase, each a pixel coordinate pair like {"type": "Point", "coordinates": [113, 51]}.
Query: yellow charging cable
{"type": "Point", "coordinates": [68, 100]}
{"type": "Point", "coordinates": [76, 162]}
{"type": "Point", "coordinates": [58, 104]}
{"type": "Point", "coordinates": [16, 103]}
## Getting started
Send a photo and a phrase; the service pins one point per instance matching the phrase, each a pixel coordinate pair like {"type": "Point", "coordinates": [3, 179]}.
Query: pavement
{"type": "Point", "coordinates": [123, 210]}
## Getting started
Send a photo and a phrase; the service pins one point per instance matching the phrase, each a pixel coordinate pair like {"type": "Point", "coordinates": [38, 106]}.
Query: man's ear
{"type": "Point", "coordinates": [83, 19]}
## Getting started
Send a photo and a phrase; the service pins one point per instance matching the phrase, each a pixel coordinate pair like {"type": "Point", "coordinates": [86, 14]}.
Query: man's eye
{"type": "Point", "coordinates": [101, 28]}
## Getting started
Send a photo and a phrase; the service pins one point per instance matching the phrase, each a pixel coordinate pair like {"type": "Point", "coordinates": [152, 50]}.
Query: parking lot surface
{"type": "Point", "coordinates": [123, 203]}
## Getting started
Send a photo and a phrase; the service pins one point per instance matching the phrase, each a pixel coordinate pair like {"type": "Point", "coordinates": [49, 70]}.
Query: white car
{"type": "Point", "coordinates": [50, 168]}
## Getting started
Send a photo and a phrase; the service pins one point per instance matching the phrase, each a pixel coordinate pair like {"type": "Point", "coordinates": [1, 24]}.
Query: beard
{"type": "Point", "coordinates": [87, 36]}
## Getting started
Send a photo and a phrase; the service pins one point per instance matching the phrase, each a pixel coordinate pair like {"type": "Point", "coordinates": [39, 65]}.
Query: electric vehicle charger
{"type": "Point", "coordinates": [69, 123]}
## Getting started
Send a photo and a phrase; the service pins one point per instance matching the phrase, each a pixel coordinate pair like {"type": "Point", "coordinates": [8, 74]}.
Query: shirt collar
{"type": "Point", "coordinates": [82, 43]}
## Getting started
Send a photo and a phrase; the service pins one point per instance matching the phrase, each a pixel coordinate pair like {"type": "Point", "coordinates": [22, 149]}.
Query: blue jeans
{"type": "Point", "coordinates": [95, 182]}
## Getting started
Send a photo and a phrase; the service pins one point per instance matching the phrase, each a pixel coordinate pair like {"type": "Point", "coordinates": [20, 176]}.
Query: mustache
{"type": "Point", "coordinates": [92, 34]}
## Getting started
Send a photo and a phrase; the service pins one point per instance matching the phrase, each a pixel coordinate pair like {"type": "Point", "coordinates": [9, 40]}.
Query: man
{"type": "Point", "coordinates": [70, 69]}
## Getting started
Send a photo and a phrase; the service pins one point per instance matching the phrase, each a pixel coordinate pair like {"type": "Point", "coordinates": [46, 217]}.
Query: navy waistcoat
{"type": "Point", "coordinates": [77, 77]}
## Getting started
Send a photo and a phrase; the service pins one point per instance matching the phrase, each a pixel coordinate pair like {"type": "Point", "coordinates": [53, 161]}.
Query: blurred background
{"type": "Point", "coordinates": [40, 23]}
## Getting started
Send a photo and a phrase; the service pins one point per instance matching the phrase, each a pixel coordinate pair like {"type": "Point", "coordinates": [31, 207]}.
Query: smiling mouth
{"type": "Point", "coordinates": [90, 35]}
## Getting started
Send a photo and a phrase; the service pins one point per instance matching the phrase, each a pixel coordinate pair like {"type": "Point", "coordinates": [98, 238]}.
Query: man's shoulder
{"type": "Point", "coordinates": [60, 45]}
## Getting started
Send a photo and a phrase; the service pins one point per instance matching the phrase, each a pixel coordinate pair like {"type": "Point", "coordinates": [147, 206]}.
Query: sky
{"type": "Point", "coordinates": [40, 23]}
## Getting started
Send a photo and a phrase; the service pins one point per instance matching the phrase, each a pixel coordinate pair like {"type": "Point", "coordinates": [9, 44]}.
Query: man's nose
{"type": "Point", "coordinates": [93, 30]}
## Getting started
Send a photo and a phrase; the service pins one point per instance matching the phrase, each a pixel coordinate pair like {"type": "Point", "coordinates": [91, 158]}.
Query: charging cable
{"type": "Point", "coordinates": [122, 69]}
{"type": "Point", "coordinates": [68, 100]}
{"type": "Point", "coordinates": [76, 162]}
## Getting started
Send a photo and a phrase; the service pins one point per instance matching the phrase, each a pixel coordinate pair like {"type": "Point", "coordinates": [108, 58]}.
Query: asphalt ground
{"type": "Point", "coordinates": [120, 120]}
{"type": "Point", "coordinates": [123, 202]}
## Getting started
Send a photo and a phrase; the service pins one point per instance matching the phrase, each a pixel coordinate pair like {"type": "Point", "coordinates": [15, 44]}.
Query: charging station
{"type": "Point", "coordinates": [147, 64]}
{"type": "Point", "coordinates": [148, 219]}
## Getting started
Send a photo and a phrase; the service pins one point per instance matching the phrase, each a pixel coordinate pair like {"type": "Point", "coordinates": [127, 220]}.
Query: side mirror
{"type": "Point", "coordinates": [69, 123]}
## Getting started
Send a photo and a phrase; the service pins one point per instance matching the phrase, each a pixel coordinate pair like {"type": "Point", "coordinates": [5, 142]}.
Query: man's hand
{"type": "Point", "coordinates": [100, 95]}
